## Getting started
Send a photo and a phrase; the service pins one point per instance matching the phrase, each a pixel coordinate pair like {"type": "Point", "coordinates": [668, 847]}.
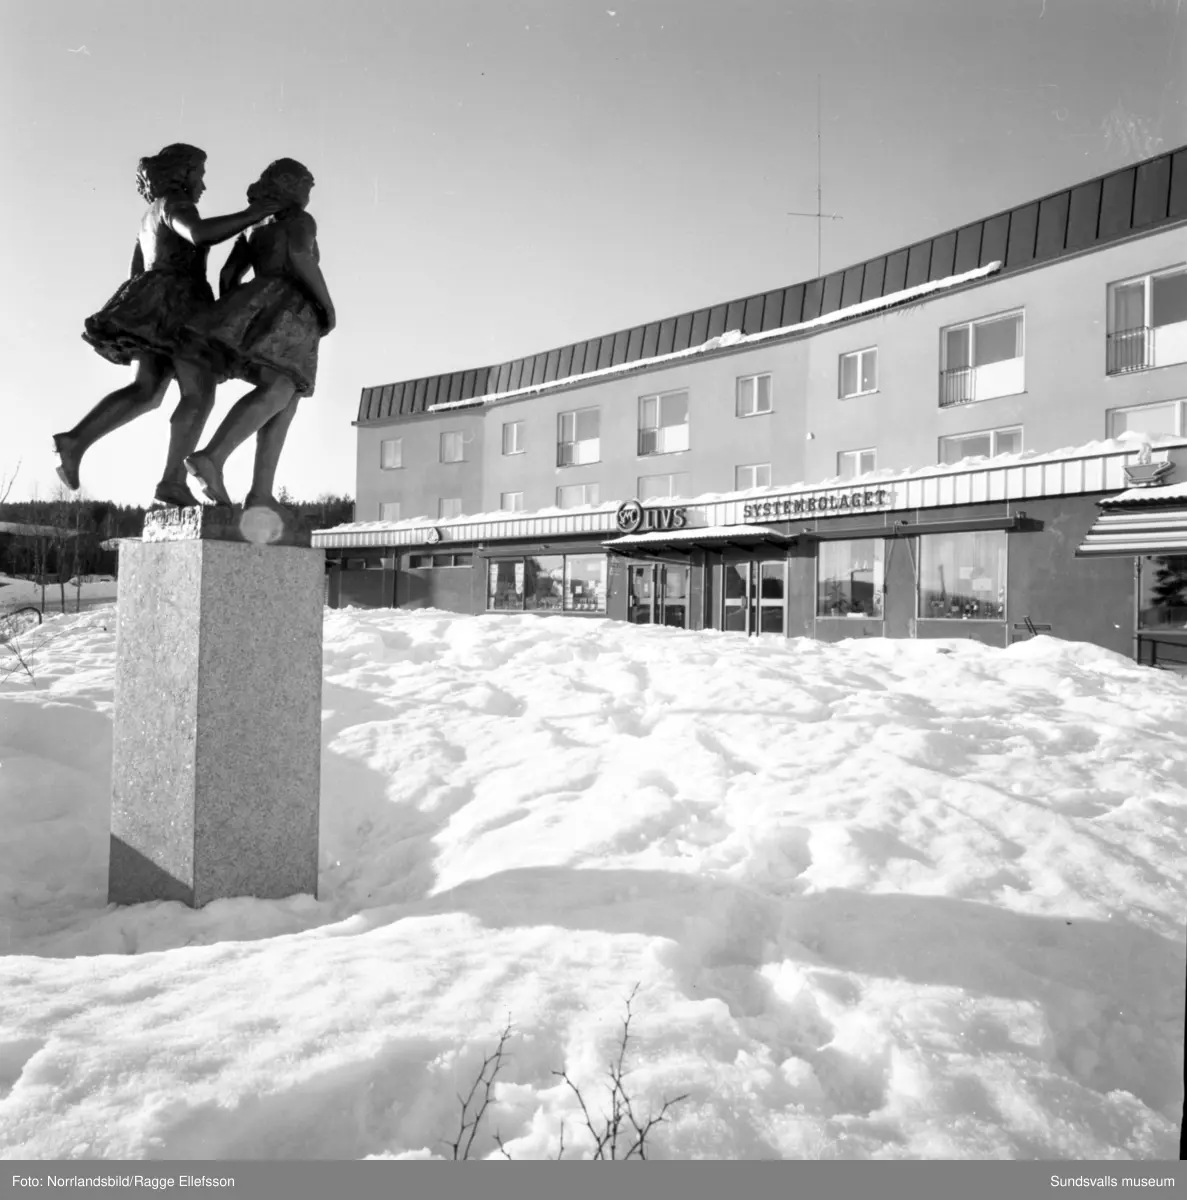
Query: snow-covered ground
{"type": "Point", "coordinates": [883, 899]}
{"type": "Point", "coordinates": [17, 593]}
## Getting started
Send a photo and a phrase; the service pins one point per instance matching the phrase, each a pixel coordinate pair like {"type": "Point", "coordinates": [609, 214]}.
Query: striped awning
{"type": "Point", "coordinates": [1136, 531]}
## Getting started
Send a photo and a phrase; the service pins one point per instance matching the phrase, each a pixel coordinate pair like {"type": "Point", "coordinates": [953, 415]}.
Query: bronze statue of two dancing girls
{"type": "Point", "coordinates": [165, 321]}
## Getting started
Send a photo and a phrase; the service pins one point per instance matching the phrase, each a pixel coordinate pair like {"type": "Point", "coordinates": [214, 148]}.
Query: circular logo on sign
{"type": "Point", "coordinates": [433, 536]}
{"type": "Point", "coordinates": [629, 516]}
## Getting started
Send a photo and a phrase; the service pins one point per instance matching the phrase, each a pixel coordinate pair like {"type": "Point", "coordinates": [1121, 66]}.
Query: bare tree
{"type": "Point", "coordinates": [7, 480]}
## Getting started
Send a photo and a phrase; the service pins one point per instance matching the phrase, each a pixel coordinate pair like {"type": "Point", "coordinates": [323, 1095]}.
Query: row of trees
{"type": "Point", "coordinates": [62, 540]}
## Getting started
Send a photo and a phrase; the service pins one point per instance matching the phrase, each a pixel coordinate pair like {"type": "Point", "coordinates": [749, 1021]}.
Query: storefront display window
{"type": "Point", "coordinates": [547, 583]}
{"type": "Point", "coordinates": [849, 579]}
{"type": "Point", "coordinates": [1162, 592]}
{"type": "Point", "coordinates": [962, 576]}
{"type": "Point", "coordinates": [544, 579]}
{"type": "Point", "coordinates": [585, 583]}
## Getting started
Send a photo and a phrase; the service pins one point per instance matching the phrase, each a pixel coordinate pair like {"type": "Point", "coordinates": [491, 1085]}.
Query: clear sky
{"type": "Point", "coordinates": [500, 178]}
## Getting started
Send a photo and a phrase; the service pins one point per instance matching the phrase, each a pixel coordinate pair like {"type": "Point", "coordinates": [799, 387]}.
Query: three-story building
{"type": "Point", "coordinates": [916, 445]}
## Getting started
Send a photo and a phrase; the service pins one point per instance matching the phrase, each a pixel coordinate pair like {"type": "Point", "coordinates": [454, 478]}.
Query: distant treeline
{"type": "Point", "coordinates": [66, 535]}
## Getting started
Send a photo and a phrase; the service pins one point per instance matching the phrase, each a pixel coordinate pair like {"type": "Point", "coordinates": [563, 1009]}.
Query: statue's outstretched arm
{"type": "Point", "coordinates": [183, 219]}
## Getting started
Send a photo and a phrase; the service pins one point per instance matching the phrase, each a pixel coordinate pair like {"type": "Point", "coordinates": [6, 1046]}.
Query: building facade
{"type": "Point", "coordinates": [921, 439]}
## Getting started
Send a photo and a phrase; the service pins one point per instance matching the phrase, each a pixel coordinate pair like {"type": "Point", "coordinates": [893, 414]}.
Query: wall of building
{"type": "Point", "coordinates": [1067, 396]}
{"type": "Point", "coordinates": [423, 479]}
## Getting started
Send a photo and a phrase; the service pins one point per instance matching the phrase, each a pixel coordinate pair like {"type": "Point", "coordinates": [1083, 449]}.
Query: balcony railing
{"type": "Point", "coordinates": [1129, 350]}
{"type": "Point", "coordinates": [958, 386]}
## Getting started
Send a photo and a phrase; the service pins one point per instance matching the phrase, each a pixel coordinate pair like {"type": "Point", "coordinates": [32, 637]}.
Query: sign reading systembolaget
{"type": "Point", "coordinates": [832, 503]}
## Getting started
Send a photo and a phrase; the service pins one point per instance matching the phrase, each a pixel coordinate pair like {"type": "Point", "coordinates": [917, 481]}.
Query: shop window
{"type": "Point", "coordinates": [453, 447]}
{"type": "Point", "coordinates": [540, 583]}
{"type": "Point", "coordinates": [449, 507]}
{"type": "Point", "coordinates": [585, 583]}
{"type": "Point", "coordinates": [423, 562]}
{"type": "Point", "coordinates": [513, 437]}
{"type": "Point", "coordinates": [389, 510]}
{"type": "Point", "coordinates": [573, 495]}
{"type": "Point", "coordinates": [511, 501]}
{"type": "Point", "coordinates": [754, 395]}
{"type": "Point", "coordinates": [851, 463]}
{"type": "Point", "coordinates": [988, 443]}
{"type": "Point", "coordinates": [850, 579]}
{"type": "Point", "coordinates": [662, 487]}
{"type": "Point", "coordinates": [1147, 322]}
{"type": "Point", "coordinates": [663, 423]}
{"type": "Point", "coordinates": [1156, 420]}
{"type": "Point", "coordinates": [391, 454]}
{"type": "Point", "coordinates": [752, 475]}
{"type": "Point", "coordinates": [859, 373]}
{"type": "Point", "coordinates": [1162, 592]}
{"type": "Point", "coordinates": [578, 437]}
{"type": "Point", "coordinates": [981, 360]}
{"type": "Point", "coordinates": [962, 576]}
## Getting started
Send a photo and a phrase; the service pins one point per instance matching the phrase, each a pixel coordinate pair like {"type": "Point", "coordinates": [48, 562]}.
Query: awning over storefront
{"type": "Point", "coordinates": [1142, 520]}
{"type": "Point", "coordinates": [1136, 531]}
{"type": "Point", "coordinates": [710, 537]}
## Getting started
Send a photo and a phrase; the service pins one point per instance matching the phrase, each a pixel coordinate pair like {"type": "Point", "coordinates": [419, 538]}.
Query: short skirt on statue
{"type": "Point", "coordinates": [268, 322]}
{"type": "Point", "coordinates": [148, 314]}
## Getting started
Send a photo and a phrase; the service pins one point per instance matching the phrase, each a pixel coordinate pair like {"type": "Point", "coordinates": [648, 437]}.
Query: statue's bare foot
{"type": "Point", "coordinates": [66, 448]}
{"type": "Point", "coordinates": [260, 500]}
{"type": "Point", "coordinates": [174, 494]}
{"type": "Point", "coordinates": [209, 478]}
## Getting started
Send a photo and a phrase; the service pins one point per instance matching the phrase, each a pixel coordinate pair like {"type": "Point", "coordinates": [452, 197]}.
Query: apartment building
{"type": "Point", "coordinates": [920, 445]}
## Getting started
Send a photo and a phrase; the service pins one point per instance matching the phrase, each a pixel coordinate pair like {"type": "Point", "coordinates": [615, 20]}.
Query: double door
{"type": "Point", "coordinates": [754, 596]}
{"type": "Point", "coordinates": [658, 594]}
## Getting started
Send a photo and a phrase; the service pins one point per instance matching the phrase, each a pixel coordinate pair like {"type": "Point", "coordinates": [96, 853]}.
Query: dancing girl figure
{"type": "Point", "coordinates": [265, 331]}
{"type": "Point", "coordinates": [144, 322]}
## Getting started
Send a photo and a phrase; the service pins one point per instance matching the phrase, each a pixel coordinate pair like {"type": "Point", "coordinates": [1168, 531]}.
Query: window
{"type": "Point", "coordinates": [851, 463]}
{"type": "Point", "coordinates": [962, 576]}
{"type": "Point", "coordinates": [662, 487]}
{"type": "Point", "coordinates": [511, 501]}
{"type": "Point", "coordinates": [449, 507]}
{"type": "Point", "coordinates": [754, 475]}
{"type": "Point", "coordinates": [982, 360]}
{"type": "Point", "coordinates": [1156, 420]}
{"type": "Point", "coordinates": [577, 437]}
{"type": "Point", "coordinates": [453, 448]}
{"type": "Point", "coordinates": [1162, 591]}
{"type": "Point", "coordinates": [420, 562]}
{"type": "Point", "coordinates": [585, 583]}
{"type": "Point", "coordinates": [1147, 322]}
{"type": "Point", "coordinates": [513, 437]}
{"type": "Point", "coordinates": [989, 443]}
{"type": "Point", "coordinates": [850, 579]}
{"type": "Point", "coordinates": [574, 494]}
{"type": "Point", "coordinates": [663, 423]}
{"type": "Point", "coordinates": [391, 454]}
{"type": "Point", "coordinates": [754, 395]}
{"type": "Point", "coordinates": [859, 373]}
{"type": "Point", "coordinates": [389, 510]}
{"type": "Point", "coordinates": [556, 583]}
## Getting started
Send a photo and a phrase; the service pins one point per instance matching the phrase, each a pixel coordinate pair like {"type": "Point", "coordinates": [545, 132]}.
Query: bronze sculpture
{"type": "Point", "coordinates": [144, 321]}
{"type": "Point", "coordinates": [265, 332]}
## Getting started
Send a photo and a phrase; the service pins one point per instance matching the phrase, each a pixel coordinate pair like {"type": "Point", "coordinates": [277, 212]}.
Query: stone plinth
{"type": "Point", "coordinates": [217, 740]}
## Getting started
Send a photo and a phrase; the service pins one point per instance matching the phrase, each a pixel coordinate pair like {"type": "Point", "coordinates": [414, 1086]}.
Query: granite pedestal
{"type": "Point", "coordinates": [217, 740]}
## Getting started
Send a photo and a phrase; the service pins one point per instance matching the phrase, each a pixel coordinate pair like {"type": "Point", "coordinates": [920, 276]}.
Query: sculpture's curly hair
{"type": "Point", "coordinates": [168, 170]}
{"type": "Point", "coordinates": [280, 180]}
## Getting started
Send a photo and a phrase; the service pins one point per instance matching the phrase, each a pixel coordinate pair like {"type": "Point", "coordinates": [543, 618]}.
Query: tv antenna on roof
{"type": "Point", "coordinates": [819, 216]}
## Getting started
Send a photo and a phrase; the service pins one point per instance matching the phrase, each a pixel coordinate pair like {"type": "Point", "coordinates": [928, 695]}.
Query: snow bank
{"type": "Point", "coordinates": [884, 899]}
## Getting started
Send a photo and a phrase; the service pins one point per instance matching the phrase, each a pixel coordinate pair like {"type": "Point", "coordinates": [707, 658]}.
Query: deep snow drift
{"type": "Point", "coordinates": [883, 899]}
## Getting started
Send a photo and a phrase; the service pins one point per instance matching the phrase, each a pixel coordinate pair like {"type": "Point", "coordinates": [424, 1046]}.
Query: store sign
{"type": "Point", "coordinates": [632, 517]}
{"type": "Point", "coordinates": [819, 504]}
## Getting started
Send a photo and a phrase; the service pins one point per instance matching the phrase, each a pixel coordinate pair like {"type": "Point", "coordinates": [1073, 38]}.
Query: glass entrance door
{"type": "Point", "coordinates": [658, 594]}
{"type": "Point", "coordinates": [754, 597]}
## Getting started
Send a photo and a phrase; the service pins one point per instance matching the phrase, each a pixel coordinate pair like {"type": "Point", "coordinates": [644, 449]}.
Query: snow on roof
{"type": "Point", "coordinates": [734, 337]}
{"type": "Point", "coordinates": [1171, 493]}
{"type": "Point", "coordinates": [1128, 443]}
{"type": "Point", "coordinates": [699, 533]}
